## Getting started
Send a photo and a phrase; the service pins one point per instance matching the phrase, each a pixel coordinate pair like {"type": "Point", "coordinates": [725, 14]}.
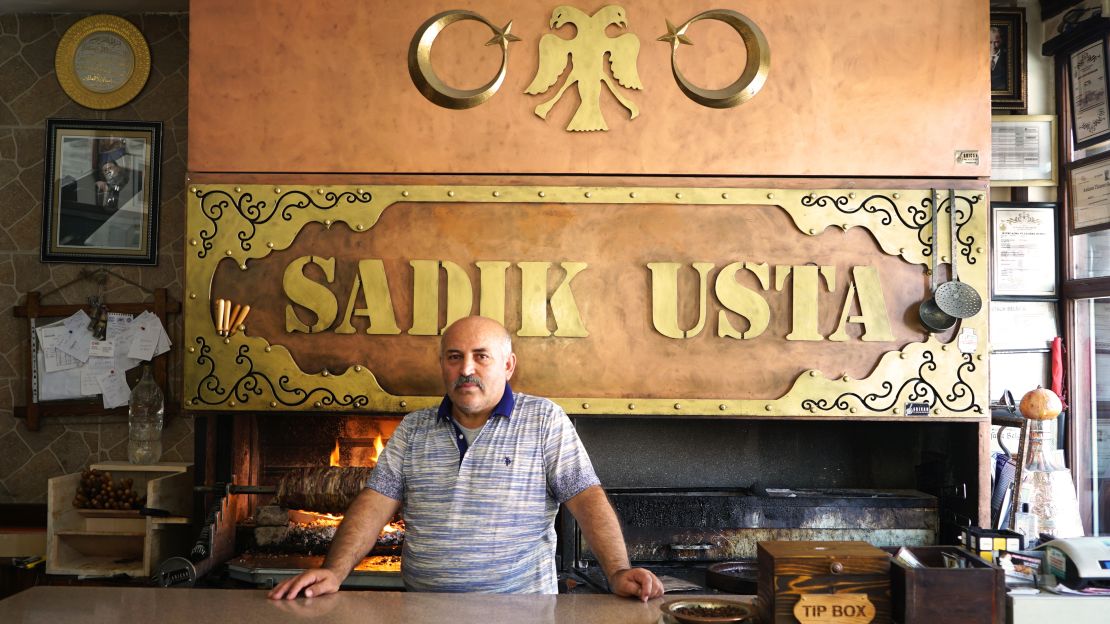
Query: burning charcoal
{"type": "Point", "coordinates": [271, 516]}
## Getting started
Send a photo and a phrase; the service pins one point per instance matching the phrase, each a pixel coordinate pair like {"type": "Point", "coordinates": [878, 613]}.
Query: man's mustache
{"type": "Point", "coordinates": [470, 379]}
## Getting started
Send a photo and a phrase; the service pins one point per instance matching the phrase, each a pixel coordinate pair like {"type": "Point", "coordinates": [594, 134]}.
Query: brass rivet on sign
{"type": "Point", "coordinates": [273, 403]}
{"type": "Point", "coordinates": [678, 406]}
{"type": "Point", "coordinates": [277, 189]}
{"type": "Point", "coordinates": [722, 407]}
{"type": "Point", "coordinates": [231, 403]}
{"type": "Point", "coordinates": [316, 404]}
{"type": "Point", "coordinates": [542, 194]}
{"type": "Point", "coordinates": [768, 407]}
{"type": "Point", "coordinates": [404, 403]}
{"type": "Point", "coordinates": [404, 193]}
{"type": "Point", "coordinates": [268, 349]}
{"type": "Point", "coordinates": [770, 195]}
{"type": "Point", "coordinates": [589, 194]}
{"type": "Point", "coordinates": [724, 195]}
{"type": "Point", "coordinates": [585, 406]}
{"type": "Point", "coordinates": [895, 195]}
{"type": "Point", "coordinates": [631, 406]}
{"type": "Point", "coordinates": [358, 369]}
{"type": "Point", "coordinates": [678, 195]}
{"type": "Point", "coordinates": [238, 189]}
{"type": "Point", "coordinates": [450, 193]}
{"type": "Point", "coordinates": [192, 295]}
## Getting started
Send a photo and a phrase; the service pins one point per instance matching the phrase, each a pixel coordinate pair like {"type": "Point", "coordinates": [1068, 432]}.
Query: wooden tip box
{"type": "Point", "coordinates": [823, 581]}
{"type": "Point", "coordinates": [937, 593]}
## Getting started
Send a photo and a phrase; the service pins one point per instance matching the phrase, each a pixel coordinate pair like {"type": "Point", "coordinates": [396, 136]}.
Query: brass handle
{"type": "Point", "coordinates": [836, 567]}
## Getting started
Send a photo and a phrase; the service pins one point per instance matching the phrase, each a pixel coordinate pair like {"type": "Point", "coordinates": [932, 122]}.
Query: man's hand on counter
{"type": "Point", "coordinates": [636, 583]}
{"type": "Point", "coordinates": [315, 582]}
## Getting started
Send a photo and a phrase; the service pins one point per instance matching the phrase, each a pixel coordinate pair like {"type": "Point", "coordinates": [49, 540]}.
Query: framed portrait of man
{"type": "Point", "coordinates": [1008, 70]}
{"type": "Point", "coordinates": [101, 191]}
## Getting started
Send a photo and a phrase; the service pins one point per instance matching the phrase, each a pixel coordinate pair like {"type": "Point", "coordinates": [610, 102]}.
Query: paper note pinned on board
{"type": "Point", "coordinates": [114, 388]}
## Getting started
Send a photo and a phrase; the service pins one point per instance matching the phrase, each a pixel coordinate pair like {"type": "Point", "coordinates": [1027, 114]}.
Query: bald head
{"type": "Point", "coordinates": [485, 327]}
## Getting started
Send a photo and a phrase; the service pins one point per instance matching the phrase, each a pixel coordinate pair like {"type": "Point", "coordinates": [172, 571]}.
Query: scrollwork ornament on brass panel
{"type": "Point", "coordinates": [252, 383]}
{"type": "Point", "coordinates": [757, 64]}
{"type": "Point", "coordinates": [254, 213]}
{"type": "Point", "coordinates": [966, 243]}
{"type": "Point", "coordinates": [959, 398]}
{"type": "Point", "coordinates": [424, 75]}
{"type": "Point", "coordinates": [916, 218]}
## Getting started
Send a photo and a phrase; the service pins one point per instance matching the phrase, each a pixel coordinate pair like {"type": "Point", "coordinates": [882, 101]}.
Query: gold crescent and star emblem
{"type": "Point", "coordinates": [585, 53]}
{"type": "Point", "coordinates": [755, 70]}
{"type": "Point", "coordinates": [424, 76]}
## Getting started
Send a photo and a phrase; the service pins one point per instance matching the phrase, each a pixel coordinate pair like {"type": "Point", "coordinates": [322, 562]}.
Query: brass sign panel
{"type": "Point", "coordinates": [622, 300]}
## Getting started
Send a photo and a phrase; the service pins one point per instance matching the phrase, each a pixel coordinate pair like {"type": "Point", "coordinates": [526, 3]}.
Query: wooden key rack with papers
{"type": "Point", "coordinates": [37, 313]}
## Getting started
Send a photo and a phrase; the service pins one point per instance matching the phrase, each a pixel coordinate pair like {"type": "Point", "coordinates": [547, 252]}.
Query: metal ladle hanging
{"type": "Point", "coordinates": [955, 297]}
{"type": "Point", "coordinates": [932, 317]}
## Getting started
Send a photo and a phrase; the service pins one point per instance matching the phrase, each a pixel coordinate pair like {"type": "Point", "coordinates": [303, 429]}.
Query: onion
{"type": "Point", "coordinates": [1040, 404]}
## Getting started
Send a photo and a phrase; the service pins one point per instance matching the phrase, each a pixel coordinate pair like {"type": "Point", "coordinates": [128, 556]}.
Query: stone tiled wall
{"type": "Point", "coordinates": [29, 95]}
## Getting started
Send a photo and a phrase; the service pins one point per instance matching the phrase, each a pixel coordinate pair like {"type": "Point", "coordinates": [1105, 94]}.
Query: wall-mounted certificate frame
{"type": "Point", "coordinates": [1089, 194]}
{"type": "Point", "coordinates": [1023, 149]}
{"type": "Point", "coordinates": [1090, 99]}
{"type": "Point", "coordinates": [1023, 325]}
{"type": "Point", "coordinates": [1023, 250]}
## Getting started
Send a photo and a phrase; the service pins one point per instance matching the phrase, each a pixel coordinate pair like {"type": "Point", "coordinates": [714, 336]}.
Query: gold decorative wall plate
{"type": "Point", "coordinates": [102, 62]}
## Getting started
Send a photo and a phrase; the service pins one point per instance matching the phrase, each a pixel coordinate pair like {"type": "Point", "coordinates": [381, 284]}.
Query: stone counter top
{"type": "Point", "coordinates": [111, 605]}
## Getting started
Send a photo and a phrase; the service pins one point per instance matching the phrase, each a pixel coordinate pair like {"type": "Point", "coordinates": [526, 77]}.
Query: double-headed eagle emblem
{"type": "Point", "coordinates": [586, 52]}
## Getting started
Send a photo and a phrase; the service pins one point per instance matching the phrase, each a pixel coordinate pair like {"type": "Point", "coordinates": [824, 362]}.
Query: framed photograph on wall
{"type": "Point", "coordinates": [101, 191]}
{"type": "Point", "coordinates": [1089, 193]}
{"type": "Point", "coordinates": [1023, 250]}
{"type": "Point", "coordinates": [1023, 149]}
{"type": "Point", "coordinates": [1008, 69]}
{"type": "Point", "coordinates": [1087, 90]}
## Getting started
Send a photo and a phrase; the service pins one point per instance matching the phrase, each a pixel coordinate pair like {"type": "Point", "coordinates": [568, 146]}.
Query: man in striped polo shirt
{"type": "Point", "coordinates": [479, 480]}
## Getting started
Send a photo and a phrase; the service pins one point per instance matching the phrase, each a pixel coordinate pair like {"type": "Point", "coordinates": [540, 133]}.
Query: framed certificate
{"type": "Point", "coordinates": [1023, 250]}
{"type": "Point", "coordinates": [1023, 325]}
{"type": "Point", "coordinates": [1022, 149]}
{"type": "Point", "coordinates": [1090, 104]}
{"type": "Point", "coordinates": [1089, 194]}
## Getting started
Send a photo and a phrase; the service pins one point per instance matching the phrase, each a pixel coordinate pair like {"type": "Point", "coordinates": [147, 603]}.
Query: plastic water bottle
{"type": "Point", "coordinates": [144, 421]}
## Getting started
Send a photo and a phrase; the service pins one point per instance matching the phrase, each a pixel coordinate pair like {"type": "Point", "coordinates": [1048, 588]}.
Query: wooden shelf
{"type": "Point", "coordinates": [92, 542]}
